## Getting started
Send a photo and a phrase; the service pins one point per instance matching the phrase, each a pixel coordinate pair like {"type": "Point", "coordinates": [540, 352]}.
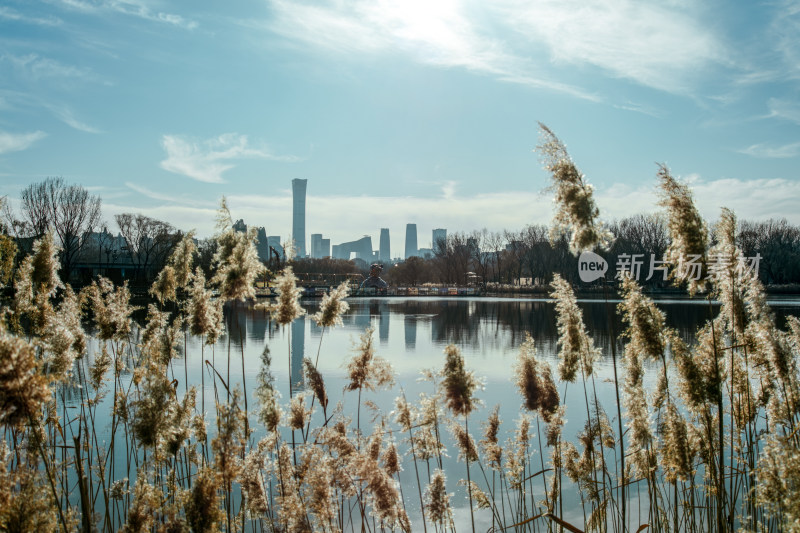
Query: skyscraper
{"type": "Point", "coordinates": [411, 240]}
{"type": "Point", "coordinates": [439, 239]}
{"type": "Point", "coordinates": [384, 253]}
{"type": "Point", "coordinates": [316, 245]}
{"type": "Point", "coordinates": [299, 216]}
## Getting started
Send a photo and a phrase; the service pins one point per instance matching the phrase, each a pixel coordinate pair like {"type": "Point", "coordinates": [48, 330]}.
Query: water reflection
{"type": "Point", "coordinates": [298, 352]}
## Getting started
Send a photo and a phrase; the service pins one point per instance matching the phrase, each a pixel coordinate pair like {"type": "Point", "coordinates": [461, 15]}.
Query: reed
{"type": "Point", "coordinates": [715, 445]}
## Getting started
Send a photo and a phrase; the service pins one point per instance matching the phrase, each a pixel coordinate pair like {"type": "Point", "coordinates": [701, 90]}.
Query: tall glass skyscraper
{"type": "Point", "coordinates": [299, 216]}
{"type": "Point", "coordinates": [411, 240]}
{"type": "Point", "coordinates": [384, 251]}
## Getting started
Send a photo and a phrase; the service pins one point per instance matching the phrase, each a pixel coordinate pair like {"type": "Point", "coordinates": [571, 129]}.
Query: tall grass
{"type": "Point", "coordinates": [714, 446]}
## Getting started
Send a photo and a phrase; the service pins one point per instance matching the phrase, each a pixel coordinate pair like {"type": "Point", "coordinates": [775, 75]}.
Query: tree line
{"type": "Point", "coordinates": [529, 256]}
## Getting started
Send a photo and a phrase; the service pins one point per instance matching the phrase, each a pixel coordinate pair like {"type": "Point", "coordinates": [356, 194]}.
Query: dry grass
{"type": "Point", "coordinates": [714, 447]}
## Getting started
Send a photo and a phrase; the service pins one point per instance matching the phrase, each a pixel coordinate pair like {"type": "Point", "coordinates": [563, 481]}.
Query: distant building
{"type": "Point", "coordinates": [316, 244]}
{"type": "Point", "coordinates": [439, 238]}
{"type": "Point", "coordinates": [299, 216]}
{"type": "Point", "coordinates": [262, 244]}
{"type": "Point", "coordinates": [384, 251]}
{"type": "Point", "coordinates": [411, 240]}
{"type": "Point", "coordinates": [425, 253]}
{"type": "Point", "coordinates": [240, 226]}
{"type": "Point", "coordinates": [320, 247]}
{"type": "Point", "coordinates": [362, 248]}
{"type": "Point", "coordinates": [274, 243]}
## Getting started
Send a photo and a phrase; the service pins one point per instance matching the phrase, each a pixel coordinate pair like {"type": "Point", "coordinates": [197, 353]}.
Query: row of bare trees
{"type": "Point", "coordinates": [73, 215]}
{"type": "Point", "coordinates": [529, 254]}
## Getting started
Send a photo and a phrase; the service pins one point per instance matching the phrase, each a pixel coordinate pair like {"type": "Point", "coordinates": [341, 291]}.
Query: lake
{"type": "Point", "coordinates": [412, 333]}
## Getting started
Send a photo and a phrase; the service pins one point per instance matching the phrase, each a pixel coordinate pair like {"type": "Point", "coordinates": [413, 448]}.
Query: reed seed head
{"type": "Point", "coordinates": [459, 384]}
{"type": "Point", "coordinates": [576, 211]}
{"type": "Point", "coordinates": [332, 308]}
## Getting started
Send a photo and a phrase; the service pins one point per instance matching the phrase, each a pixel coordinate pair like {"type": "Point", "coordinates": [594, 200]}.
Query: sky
{"type": "Point", "coordinates": [399, 111]}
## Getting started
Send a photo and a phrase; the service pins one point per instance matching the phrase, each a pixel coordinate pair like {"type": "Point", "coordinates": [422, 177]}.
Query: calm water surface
{"type": "Point", "coordinates": [411, 333]}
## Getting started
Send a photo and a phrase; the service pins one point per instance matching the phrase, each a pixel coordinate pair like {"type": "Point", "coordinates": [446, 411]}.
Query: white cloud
{"type": "Point", "coordinates": [785, 109]}
{"type": "Point", "coordinates": [757, 199]}
{"type": "Point", "coordinates": [661, 46]}
{"type": "Point", "coordinates": [444, 33]}
{"type": "Point", "coordinates": [10, 14]}
{"type": "Point", "coordinates": [38, 67]}
{"type": "Point", "coordinates": [783, 33]}
{"type": "Point", "coordinates": [170, 198]}
{"type": "Point", "coordinates": [134, 8]}
{"type": "Point", "coordinates": [68, 117]}
{"type": "Point", "coordinates": [772, 152]}
{"type": "Point", "coordinates": [654, 44]}
{"type": "Point", "coordinates": [208, 160]}
{"type": "Point", "coordinates": [16, 142]}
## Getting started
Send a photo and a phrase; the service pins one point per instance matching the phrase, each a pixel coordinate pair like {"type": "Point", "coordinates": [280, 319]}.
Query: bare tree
{"type": "Point", "coordinates": [69, 211]}
{"type": "Point", "coordinates": [412, 271]}
{"type": "Point", "coordinates": [149, 240]}
{"type": "Point", "coordinates": [496, 244]}
{"type": "Point", "coordinates": [454, 259]}
{"type": "Point", "coordinates": [482, 259]}
{"type": "Point", "coordinates": [778, 244]}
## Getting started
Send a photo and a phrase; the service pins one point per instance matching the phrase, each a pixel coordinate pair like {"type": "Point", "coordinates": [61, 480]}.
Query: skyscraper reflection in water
{"type": "Point", "coordinates": [298, 352]}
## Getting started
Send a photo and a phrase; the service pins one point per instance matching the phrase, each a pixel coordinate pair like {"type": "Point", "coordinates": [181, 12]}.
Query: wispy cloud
{"type": "Point", "coordinates": [207, 160]}
{"type": "Point", "coordinates": [68, 117]}
{"type": "Point", "coordinates": [772, 152]}
{"type": "Point", "coordinates": [657, 45]}
{"type": "Point", "coordinates": [170, 198]}
{"type": "Point", "coordinates": [10, 14]}
{"type": "Point", "coordinates": [16, 142]}
{"type": "Point", "coordinates": [784, 109]}
{"type": "Point", "coordinates": [783, 32]}
{"type": "Point", "coordinates": [135, 8]}
{"type": "Point", "coordinates": [756, 199]}
{"type": "Point", "coordinates": [445, 33]}
{"type": "Point", "coordinates": [40, 68]}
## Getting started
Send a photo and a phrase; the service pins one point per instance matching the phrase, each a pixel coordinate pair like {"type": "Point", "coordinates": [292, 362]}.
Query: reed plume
{"type": "Point", "coordinates": [315, 383]}
{"type": "Point", "coordinates": [576, 211]}
{"type": "Point", "coordinates": [458, 383]}
{"type": "Point", "coordinates": [534, 381]}
{"type": "Point", "coordinates": [23, 389]}
{"type": "Point", "coordinates": [332, 308]}
{"type": "Point", "coordinates": [236, 260]}
{"type": "Point", "coordinates": [181, 260]}
{"type": "Point", "coordinates": [576, 348]}
{"type": "Point", "coordinates": [287, 308]}
{"type": "Point", "coordinates": [437, 499]}
{"type": "Point", "coordinates": [111, 309]}
{"type": "Point", "coordinates": [687, 230]}
{"type": "Point", "coordinates": [202, 507]}
{"type": "Point", "coordinates": [165, 286]}
{"type": "Point", "coordinates": [204, 313]}
{"type": "Point", "coordinates": [366, 370]}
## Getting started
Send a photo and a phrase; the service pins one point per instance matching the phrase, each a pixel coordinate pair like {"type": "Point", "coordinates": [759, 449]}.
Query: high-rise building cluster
{"type": "Point", "coordinates": [358, 249]}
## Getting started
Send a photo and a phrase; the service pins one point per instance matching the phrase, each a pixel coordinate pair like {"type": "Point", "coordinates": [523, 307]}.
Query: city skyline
{"type": "Point", "coordinates": [397, 110]}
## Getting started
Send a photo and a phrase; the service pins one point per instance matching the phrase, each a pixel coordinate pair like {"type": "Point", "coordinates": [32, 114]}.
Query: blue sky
{"type": "Point", "coordinates": [399, 111]}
